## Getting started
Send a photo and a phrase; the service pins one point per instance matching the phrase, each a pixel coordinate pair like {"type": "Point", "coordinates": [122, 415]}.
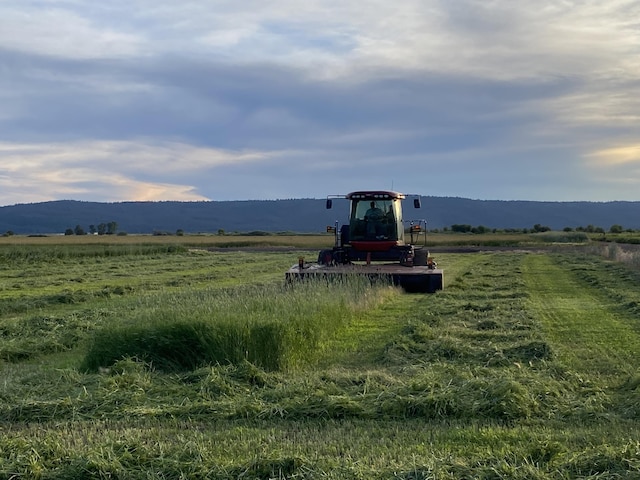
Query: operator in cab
{"type": "Point", "coordinates": [373, 217]}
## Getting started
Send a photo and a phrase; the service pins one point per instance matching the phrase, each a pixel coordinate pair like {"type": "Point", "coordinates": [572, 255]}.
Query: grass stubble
{"type": "Point", "coordinates": [524, 367]}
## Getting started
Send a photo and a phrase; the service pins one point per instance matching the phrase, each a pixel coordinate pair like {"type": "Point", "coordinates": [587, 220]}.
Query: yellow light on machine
{"type": "Point", "coordinates": [415, 228]}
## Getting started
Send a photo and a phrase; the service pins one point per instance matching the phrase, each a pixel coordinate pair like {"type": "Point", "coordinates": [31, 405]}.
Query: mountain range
{"type": "Point", "coordinates": [304, 215]}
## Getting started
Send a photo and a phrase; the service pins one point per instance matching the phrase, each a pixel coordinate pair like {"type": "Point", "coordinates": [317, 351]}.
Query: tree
{"type": "Point", "coordinates": [102, 229]}
{"type": "Point", "coordinates": [459, 228]}
{"type": "Point", "coordinates": [112, 228]}
{"type": "Point", "coordinates": [79, 230]}
{"type": "Point", "coordinates": [616, 229]}
{"type": "Point", "coordinates": [540, 228]}
{"type": "Point", "coordinates": [92, 229]}
{"type": "Point", "coordinates": [69, 231]}
{"type": "Point", "coordinates": [480, 229]}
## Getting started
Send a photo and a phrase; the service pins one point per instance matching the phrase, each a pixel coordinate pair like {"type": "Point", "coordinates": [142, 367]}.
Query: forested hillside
{"type": "Point", "coordinates": [303, 215]}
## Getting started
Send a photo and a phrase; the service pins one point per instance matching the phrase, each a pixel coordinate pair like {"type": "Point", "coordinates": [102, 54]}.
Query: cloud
{"type": "Point", "coordinates": [206, 99]}
{"type": "Point", "coordinates": [61, 32]}
{"type": "Point", "coordinates": [111, 171]}
{"type": "Point", "coordinates": [616, 156]}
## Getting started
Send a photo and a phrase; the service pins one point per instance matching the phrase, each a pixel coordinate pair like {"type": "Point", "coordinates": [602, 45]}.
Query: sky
{"type": "Point", "coordinates": [143, 100]}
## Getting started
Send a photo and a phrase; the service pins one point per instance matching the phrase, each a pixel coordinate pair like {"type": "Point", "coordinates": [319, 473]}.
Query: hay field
{"type": "Point", "coordinates": [161, 361]}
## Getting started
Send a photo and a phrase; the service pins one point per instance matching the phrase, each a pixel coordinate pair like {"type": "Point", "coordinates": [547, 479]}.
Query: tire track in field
{"type": "Point", "coordinates": [581, 323]}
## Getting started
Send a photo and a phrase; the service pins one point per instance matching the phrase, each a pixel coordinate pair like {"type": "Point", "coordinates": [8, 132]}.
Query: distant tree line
{"type": "Point", "coordinates": [480, 229]}
{"type": "Point", "coordinates": [110, 228]}
{"type": "Point", "coordinates": [537, 228]}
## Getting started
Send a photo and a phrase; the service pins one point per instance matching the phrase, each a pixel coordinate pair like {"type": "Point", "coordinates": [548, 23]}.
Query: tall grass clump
{"type": "Point", "coordinates": [48, 253]}
{"type": "Point", "coordinates": [561, 237]}
{"type": "Point", "coordinates": [629, 255]}
{"type": "Point", "coordinates": [274, 327]}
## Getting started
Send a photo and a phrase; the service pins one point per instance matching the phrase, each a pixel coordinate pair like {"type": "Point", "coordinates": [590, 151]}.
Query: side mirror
{"type": "Point", "coordinates": [416, 203]}
{"type": "Point", "coordinates": [329, 203]}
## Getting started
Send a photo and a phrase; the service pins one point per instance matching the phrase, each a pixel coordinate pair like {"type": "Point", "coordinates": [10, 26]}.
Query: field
{"type": "Point", "coordinates": [155, 358]}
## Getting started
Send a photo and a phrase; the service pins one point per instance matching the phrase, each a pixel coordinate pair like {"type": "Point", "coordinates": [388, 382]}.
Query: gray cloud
{"type": "Point", "coordinates": [148, 100]}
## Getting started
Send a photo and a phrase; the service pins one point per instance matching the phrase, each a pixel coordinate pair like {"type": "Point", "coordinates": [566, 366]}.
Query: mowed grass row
{"type": "Point", "coordinates": [590, 313]}
{"type": "Point", "coordinates": [37, 279]}
{"type": "Point", "coordinates": [53, 304]}
{"type": "Point", "coordinates": [467, 383]}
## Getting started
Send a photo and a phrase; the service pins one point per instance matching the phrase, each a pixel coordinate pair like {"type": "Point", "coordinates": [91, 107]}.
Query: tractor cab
{"type": "Point", "coordinates": [375, 230]}
{"type": "Point", "coordinates": [375, 221]}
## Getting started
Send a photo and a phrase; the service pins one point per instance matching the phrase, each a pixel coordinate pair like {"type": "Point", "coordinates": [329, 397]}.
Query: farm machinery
{"type": "Point", "coordinates": [376, 244]}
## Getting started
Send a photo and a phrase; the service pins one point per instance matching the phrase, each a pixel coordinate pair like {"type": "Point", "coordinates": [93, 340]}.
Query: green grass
{"type": "Point", "coordinates": [276, 327]}
{"type": "Point", "coordinates": [561, 237]}
{"type": "Point", "coordinates": [594, 321]}
{"type": "Point", "coordinates": [524, 367]}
